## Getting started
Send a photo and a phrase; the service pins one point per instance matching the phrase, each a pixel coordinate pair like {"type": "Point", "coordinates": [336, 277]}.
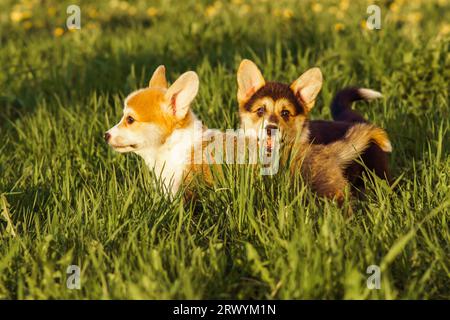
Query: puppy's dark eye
{"type": "Point", "coordinates": [285, 113]}
{"type": "Point", "coordinates": [130, 120]}
{"type": "Point", "coordinates": [260, 111]}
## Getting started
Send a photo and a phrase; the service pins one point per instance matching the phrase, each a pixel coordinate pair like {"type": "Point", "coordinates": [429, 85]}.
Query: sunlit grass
{"type": "Point", "coordinates": [68, 199]}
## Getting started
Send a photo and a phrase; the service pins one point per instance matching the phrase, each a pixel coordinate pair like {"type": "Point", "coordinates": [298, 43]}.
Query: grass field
{"type": "Point", "coordinates": [68, 199]}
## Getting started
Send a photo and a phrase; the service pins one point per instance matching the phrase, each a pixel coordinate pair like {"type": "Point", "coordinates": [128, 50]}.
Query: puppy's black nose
{"type": "Point", "coordinates": [107, 136]}
{"type": "Point", "coordinates": [271, 128]}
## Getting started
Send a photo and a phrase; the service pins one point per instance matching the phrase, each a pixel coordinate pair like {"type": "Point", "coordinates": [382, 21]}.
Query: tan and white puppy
{"type": "Point", "coordinates": [158, 125]}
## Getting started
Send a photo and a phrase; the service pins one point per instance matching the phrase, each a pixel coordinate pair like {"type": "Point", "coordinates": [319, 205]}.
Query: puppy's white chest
{"type": "Point", "coordinates": [170, 161]}
{"type": "Point", "coordinates": [171, 165]}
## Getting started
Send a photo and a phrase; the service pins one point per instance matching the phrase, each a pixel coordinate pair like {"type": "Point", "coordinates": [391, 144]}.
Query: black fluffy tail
{"type": "Point", "coordinates": [341, 107]}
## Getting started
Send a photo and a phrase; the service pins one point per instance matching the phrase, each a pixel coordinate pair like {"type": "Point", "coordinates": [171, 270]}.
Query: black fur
{"type": "Point", "coordinates": [276, 91]}
{"type": "Point", "coordinates": [341, 106]}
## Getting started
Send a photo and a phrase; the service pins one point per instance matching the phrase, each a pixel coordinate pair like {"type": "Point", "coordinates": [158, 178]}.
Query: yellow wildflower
{"type": "Point", "coordinates": [288, 13]}
{"type": "Point", "coordinates": [317, 7]}
{"type": "Point", "coordinates": [339, 26]}
{"type": "Point", "coordinates": [152, 12]}
{"type": "Point", "coordinates": [58, 32]}
{"type": "Point", "coordinates": [17, 15]}
{"type": "Point", "coordinates": [445, 29]}
{"type": "Point", "coordinates": [243, 10]}
{"type": "Point", "coordinates": [364, 25]}
{"type": "Point", "coordinates": [344, 4]}
{"type": "Point", "coordinates": [394, 7]}
{"type": "Point", "coordinates": [213, 9]}
{"type": "Point", "coordinates": [123, 5]}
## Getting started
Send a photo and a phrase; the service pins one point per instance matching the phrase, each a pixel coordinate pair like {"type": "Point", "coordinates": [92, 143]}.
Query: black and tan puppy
{"type": "Point", "coordinates": [325, 151]}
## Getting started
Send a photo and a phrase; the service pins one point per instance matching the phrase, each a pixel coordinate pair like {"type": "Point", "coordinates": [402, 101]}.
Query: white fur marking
{"type": "Point", "coordinates": [369, 94]}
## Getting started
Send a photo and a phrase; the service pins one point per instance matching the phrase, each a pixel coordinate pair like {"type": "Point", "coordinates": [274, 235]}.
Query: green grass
{"type": "Point", "coordinates": [72, 200]}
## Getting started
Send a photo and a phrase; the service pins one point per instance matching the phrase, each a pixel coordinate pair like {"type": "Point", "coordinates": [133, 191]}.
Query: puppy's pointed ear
{"type": "Point", "coordinates": [249, 80]}
{"type": "Point", "coordinates": [307, 86]}
{"type": "Point", "coordinates": [158, 79]}
{"type": "Point", "coordinates": [181, 93]}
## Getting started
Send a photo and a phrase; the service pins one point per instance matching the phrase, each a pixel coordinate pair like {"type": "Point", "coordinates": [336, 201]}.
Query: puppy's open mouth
{"type": "Point", "coordinates": [273, 143]}
{"type": "Point", "coordinates": [269, 144]}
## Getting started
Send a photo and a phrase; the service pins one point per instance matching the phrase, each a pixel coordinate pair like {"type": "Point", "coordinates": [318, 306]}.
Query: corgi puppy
{"type": "Point", "coordinates": [159, 125]}
{"type": "Point", "coordinates": [282, 112]}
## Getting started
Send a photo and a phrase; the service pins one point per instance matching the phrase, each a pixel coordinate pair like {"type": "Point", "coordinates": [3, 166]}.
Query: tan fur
{"type": "Point", "coordinates": [146, 106]}
{"type": "Point", "coordinates": [249, 79]}
{"type": "Point", "coordinates": [323, 165]}
{"type": "Point", "coordinates": [308, 86]}
{"type": "Point", "coordinates": [158, 79]}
